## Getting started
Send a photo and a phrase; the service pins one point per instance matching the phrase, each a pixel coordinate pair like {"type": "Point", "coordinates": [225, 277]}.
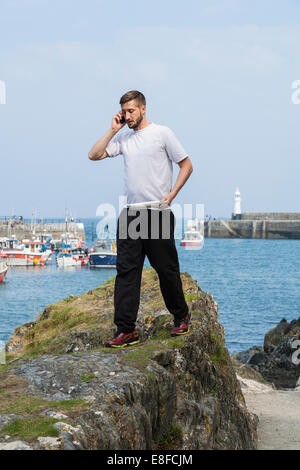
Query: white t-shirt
{"type": "Point", "coordinates": [148, 155]}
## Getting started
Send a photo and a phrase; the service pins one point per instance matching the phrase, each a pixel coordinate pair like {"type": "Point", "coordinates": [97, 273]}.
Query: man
{"type": "Point", "coordinates": [149, 151]}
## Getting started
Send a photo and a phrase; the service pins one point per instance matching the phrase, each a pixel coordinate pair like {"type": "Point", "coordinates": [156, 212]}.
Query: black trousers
{"type": "Point", "coordinates": [147, 233]}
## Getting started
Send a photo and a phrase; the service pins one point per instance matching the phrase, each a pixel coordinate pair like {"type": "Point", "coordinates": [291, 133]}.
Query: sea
{"type": "Point", "coordinates": [255, 283]}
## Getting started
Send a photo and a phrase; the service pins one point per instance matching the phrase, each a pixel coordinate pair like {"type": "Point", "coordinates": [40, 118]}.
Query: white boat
{"type": "Point", "coordinates": [75, 257]}
{"type": "Point", "coordinates": [27, 253]}
{"type": "Point", "coordinates": [3, 270]}
{"type": "Point", "coordinates": [66, 261]}
{"type": "Point", "coordinates": [193, 236]}
{"type": "Point", "coordinates": [71, 240]}
{"type": "Point", "coordinates": [7, 243]}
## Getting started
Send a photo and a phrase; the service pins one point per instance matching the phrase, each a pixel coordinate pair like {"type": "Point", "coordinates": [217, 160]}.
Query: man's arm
{"type": "Point", "coordinates": [98, 151]}
{"type": "Point", "coordinates": [186, 169]}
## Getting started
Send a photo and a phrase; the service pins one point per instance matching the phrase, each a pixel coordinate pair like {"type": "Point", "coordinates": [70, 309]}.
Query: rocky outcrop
{"type": "Point", "coordinates": [278, 361]}
{"type": "Point", "coordinates": [61, 389]}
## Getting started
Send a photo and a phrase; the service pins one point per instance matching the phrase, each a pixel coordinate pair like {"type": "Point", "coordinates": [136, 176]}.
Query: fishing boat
{"type": "Point", "coordinates": [65, 260]}
{"type": "Point", "coordinates": [7, 243]}
{"type": "Point", "coordinates": [193, 235]}
{"type": "Point", "coordinates": [66, 241]}
{"type": "Point", "coordinates": [103, 254]}
{"type": "Point", "coordinates": [73, 257]}
{"type": "Point", "coordinates": [3, 270]}
{"type": "Point", "coordinates": [27, 253]}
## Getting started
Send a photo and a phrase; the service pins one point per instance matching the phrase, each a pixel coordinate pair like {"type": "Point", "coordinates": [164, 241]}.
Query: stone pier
{"type": "Point", "coordinates": [267, 225]}
{"type": "Point", "coordinates": [25, 231]}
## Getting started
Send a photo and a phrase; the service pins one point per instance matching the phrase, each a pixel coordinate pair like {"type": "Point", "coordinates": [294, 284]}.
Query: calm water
{"type": "Point", "coordinates": [256, 283]}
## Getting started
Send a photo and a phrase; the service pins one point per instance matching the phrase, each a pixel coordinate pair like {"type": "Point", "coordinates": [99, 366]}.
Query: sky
{"type": "Point", "coordinates": [219, 73]}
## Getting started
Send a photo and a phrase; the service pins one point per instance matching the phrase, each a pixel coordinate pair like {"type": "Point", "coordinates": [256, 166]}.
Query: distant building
{"type": "Point", "coordinates": [237, 212]}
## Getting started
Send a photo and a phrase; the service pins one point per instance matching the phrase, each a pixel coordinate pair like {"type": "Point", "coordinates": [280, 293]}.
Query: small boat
{"type": "Point", "coordinates": [103, 254]}
{"type": "Point", "coordinates": [81, 255]}
{"type": "Point", "coordinates": [3, 270]}
{"type": "Point", "coordinates": [65, 260]}
{"type": "Point", "coordinates": [73, 257]}
{"type": "Point", "coordinates": [193, 236]}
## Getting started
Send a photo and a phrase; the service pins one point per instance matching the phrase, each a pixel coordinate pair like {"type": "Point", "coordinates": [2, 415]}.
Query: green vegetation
{"type": "Point", "coordinates": [176, 342]}
{"type": "Point", "coordinates": [191, 296]}
{"type": "Point", "coordinates": [64, 406]}
{"type": "Point", "coordinates": [171, 439]}
{"type": "Point", "coordinates": [87, 377]}
{"type": "Point", "coordinates": [20, 403]}
{"type": "Point", "coordinates": [69, 299]}
{"type": "Point", "coordinates": [31, 428]}
{"type": "Point", "coordinates": [219, 356]}
{"type": "Point", "coordinates": [15, 401]}
{"type": "Point", "coordinates": [139, 358]}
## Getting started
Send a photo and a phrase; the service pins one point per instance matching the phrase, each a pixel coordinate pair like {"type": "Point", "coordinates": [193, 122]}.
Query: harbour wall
{"type": "Point", "coordinates": [24, 231]}
{"type": "Point", "coordinates": [256, 228]}
{"type": "Point", "coordinates": [270, 216]}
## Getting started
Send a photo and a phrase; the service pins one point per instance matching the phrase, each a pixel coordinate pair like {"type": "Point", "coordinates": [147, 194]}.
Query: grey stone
{"type": "Point", "coordinates": [15, 445]}
{"type": "Point", "coordinates": [275, 361]}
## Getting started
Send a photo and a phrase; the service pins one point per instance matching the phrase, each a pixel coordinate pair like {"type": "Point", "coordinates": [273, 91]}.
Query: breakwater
{"type": "Point", "coordinates": [23, 231]}
{"type": "Point", "coordinates": [270, 225]}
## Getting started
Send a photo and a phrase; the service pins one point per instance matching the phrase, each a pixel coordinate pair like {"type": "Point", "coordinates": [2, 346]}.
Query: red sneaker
{"type": "Point", "coordinates": [123, 339]}
{"type": "Point", "coordinates": [181, 327]}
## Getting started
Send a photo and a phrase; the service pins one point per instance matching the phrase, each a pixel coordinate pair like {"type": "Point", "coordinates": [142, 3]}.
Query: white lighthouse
{"type": "Point", "coordinates": [237, 212]}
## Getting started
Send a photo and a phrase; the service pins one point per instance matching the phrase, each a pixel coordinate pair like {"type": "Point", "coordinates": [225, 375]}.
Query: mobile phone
{"type": "Point", "coordinates": [122, 120]}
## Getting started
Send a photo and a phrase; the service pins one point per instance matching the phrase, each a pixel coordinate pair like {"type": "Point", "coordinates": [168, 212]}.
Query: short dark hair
{"type": "Point", "coordinates": [133, 95]}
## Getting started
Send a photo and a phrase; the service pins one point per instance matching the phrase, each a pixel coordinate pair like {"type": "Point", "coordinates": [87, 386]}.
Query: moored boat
{"type": "Point", "coordinates": [3, 270]}
{"type": "Point", "coordinates": [73, 257]}
{"type": "Point", "coordinates": [193, 236]}
{"type": "Point", "coordinates": [103, 254]}
{"type": "Point", "coordinates": [65, 260]}
{"type": "Point", "coordinates": [28, 253]}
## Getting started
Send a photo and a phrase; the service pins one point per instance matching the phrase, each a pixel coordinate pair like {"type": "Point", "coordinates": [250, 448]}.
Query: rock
{"type": "Point", "coordinates": [257, 358]}
{"type": "Point", "coordinates": [165, 393]}
{"type": "Point", "coordinates": [278, 361]}
{"type": "Point", "coordinates": [252, 386]}
{"type": "Point", "coordinates": [274, 337]}
{"type": "Point", "coordinates": [245, 356]}
{"type": "Point", "coordinates": [54, 415]}
{"type": "Point", "coordinates": [15, 445]}
{"type": "Point", "coordinates": [245, 371]}
{"type": "Point", "coordinates": [71, 438]}
{"type": "Point", "coordinates": [6, 419]}
{"type": "Point", "coordinates": [50, 443]}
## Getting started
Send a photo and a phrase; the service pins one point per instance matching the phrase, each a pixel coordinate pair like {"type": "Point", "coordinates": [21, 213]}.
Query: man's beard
{"type": "Point", "coordinates": [137, 123]}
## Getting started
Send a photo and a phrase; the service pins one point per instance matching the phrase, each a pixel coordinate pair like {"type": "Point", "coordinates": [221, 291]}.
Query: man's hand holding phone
{"type": "Point", "coordinates": [118, 122]}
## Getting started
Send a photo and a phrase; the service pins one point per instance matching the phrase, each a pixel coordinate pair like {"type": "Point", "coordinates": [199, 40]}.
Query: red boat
{"type": "Point", "coordinates": [3, 270]}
